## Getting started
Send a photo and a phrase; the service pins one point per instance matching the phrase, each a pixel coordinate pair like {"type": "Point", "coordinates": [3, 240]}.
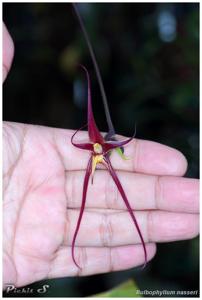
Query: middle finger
{"type": "Point", "coordinates": [100, 228]}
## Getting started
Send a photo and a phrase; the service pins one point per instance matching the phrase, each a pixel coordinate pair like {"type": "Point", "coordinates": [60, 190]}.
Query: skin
{"type": "Point", "coordinates": [43, 180]}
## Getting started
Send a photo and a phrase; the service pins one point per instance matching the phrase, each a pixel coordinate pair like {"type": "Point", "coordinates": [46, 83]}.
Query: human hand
{"type": "Point", "coordinates": [42, 201]}
{"type": "Point", "coordinates": [43, 179]}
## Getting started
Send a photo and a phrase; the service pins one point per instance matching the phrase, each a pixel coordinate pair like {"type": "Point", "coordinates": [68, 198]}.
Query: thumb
{"type": "Point", "coordinates": [8, 51]}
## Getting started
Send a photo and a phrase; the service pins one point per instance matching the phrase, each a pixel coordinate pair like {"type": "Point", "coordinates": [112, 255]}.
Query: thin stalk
{"type": "Point", "coordinates": [111, 131]}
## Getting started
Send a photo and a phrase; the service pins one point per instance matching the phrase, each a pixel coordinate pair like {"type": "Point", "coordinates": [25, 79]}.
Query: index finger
{"type": "Point", "coordinates": [145, 156]}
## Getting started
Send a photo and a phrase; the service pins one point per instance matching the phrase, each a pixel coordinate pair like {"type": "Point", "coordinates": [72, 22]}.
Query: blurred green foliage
{"type": "Point", "coordinates": [149, 59]}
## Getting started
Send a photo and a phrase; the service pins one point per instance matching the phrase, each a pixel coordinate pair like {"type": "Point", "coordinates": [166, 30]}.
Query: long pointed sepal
{"type": "Point", "coordinates": [85, 188]}
{"type": "Point", "coordinates": [94, 134]}
{"type": "Point", "coordinates": [123, 195]}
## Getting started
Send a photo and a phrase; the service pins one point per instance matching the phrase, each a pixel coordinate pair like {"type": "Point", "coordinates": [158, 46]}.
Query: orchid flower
{"type": "Point", "coordinates": [99, 150]}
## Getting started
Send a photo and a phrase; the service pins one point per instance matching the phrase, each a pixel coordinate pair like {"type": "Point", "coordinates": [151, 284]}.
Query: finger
{"type": "Point", "coordinates": [98, 260]}
{"type": "Point", "coordinates": [100, 229]}
{"type": "Point", "coordinates": [143, 191]}
{"type": "Point", "coordinates": [145, 156]}
{"type": "Point", "coordinates": [8, 51]}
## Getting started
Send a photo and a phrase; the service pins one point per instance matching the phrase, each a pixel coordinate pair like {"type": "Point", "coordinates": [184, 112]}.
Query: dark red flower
{"type": "Point", "coordinates": [99, 154]}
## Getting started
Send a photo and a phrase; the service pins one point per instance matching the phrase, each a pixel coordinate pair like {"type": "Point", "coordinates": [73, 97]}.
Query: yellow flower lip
{"type": "Point", "coordinates": [97, 159]}
{"type": "Point", "coordinates": [97, 148]}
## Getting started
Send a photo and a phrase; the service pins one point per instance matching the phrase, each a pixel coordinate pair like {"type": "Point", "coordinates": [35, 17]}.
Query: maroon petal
{"type": "Point", "coordinates": [94, 134]}
{"type": "Point", "coordinates": [123, 195]}
{"type": "Point", "coordinates": [85, 187]}
{"type": "Point", "coordinates": [115, 144]}
{"type": "Point", "coordinates": [110, 145]}
{"type": "Point", "coordinates": [84, 146]}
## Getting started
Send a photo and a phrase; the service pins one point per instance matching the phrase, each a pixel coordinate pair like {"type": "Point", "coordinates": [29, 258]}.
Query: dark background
{"type": "Point", "coordinates": [148, 55]}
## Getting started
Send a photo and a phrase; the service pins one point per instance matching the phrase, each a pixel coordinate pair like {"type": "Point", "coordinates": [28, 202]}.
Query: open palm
{"type": "Point", "coordinates": [43, 179]}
